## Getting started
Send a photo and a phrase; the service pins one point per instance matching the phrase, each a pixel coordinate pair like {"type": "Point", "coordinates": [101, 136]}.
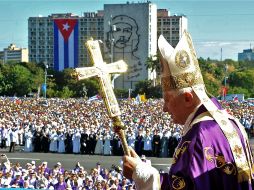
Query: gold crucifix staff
{"type": "Point", "coordinates": [102, 71]}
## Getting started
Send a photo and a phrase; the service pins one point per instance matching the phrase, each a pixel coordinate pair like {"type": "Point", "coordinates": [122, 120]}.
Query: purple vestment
{"type": "Point", "coordinates": [203, 160]}
{"type": "Point", "coordinates": [60, 186]}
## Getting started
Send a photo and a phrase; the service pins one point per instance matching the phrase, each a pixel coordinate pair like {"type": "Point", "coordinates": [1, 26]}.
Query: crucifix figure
{"type": "Point", "coordinates": [102, 71]}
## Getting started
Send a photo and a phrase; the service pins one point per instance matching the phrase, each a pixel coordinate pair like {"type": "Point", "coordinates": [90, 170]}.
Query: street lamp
{"type": "Point", "coordinates": [130, 90]}
{"type": "Point", "coordinates": [45, 80]}
{"type": "Point", "coordinates": [112, 29]}
{"type": "Point", "coordinates": [225, 81]}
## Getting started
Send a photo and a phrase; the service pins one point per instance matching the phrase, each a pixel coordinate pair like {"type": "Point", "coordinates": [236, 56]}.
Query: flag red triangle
{"type": "Point", "coordinates": [65, 26]}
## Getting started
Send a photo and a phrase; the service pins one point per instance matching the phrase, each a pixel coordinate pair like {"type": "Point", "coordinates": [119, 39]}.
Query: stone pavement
{"type": "Point", "coordinates": [69, 160]}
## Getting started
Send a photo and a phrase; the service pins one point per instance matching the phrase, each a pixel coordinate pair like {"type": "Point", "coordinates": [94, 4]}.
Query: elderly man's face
{"type": "Point", "coordinates": [174, 105]}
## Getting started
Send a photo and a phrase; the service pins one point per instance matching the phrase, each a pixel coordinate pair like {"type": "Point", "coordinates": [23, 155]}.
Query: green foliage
{"type": "Point", "coordinates": [146, 87]}
{"type": "Point", "coordinates": [22, 78]}
{"type": "Point", "coordinates": [18, 80]}
{"type": "Point", "coordinates": [239, 90]}
{"type": "Point", "coordinates": [65, 93]}
{"type": "Point", "coordinates": [240, 76]}
{"type": "Point", "coordinates": [91, 86]}
{"type": "Point", "coordinates": [243, 80]}
{"type": "Point", "coordinates": [52, 88]}
{"type": "Point", "coordinates": [153, 63]}
{"type": "Point", "coordinates": [121, 93]}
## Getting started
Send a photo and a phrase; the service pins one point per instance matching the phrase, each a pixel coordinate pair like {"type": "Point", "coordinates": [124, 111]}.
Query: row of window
{"type": "Point", "coordinates": [41, 55]}
{"type": "Point", "coordinates": [168, 19]}
{"type": "Point", "coordinates": [168, 29]}
{"type": "Point", "coordinates": [91, 29]}
{"type": "Point", "coordinates": [91, 19]}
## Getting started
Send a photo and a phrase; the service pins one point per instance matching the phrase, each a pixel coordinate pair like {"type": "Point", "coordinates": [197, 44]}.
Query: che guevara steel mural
{"type": "Point", "coordinates": [125, 36]}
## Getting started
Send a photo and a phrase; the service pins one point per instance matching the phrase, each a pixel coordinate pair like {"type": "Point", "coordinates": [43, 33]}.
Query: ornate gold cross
{"type": "Point", "coordinates": [102, 71]}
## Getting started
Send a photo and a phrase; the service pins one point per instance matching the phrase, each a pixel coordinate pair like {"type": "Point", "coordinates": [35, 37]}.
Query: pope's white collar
{"type": "Point", "coordinates": [189, 119]}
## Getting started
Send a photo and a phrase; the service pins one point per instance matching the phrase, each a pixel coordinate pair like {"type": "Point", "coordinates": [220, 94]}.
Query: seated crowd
{"type": "Point", "coordinates": [40, 176]}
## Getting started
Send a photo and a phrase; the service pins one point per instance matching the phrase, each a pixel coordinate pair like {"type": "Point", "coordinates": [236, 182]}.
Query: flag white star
{"type": "Point", "coordinates": [66, 26]}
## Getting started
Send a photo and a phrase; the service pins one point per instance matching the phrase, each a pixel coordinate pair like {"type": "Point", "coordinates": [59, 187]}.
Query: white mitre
{"type": "Point", "coordinates": [180, 68]}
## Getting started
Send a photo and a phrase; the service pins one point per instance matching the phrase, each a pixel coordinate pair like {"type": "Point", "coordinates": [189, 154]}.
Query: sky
{"type": "Point", "coordinates": [213, 25]}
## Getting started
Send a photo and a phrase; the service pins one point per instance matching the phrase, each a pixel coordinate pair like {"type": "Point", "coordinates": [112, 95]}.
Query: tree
{"type": "Point", "coordinates": [37, 74]}
{"type": "Point", "coordinates": [146, 87]}
{"type": "Point", "coordinates": [242, 80]}
{"type": "Point", "coordinates": [153, 63]}
{"type": "Point", "coordinates": [65, 93]}
{"type": "Point", "coordinates": [91, 85]}
{"type": "Point", "coordinates": [239, 90]}
{"type": "Point", "coordinates": [20, 79]}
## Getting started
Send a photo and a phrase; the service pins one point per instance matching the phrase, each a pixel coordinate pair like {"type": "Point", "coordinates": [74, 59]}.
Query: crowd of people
{"type": "Point", "coordinates": [40, 176]}
{"type": "Point", "coordinates": [78, 126]}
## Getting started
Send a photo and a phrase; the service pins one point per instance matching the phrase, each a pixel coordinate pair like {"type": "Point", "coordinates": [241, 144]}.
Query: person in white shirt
{"type": "Point", "coordinates": [53, 141]}
{"type": "Point", "coordinates": [28, 141]}
{"type": "Point", "coordinates": [13, 139]}
{"type": "Point", "coordinates": [76, 141]}
{"type": "Point", "coordinates": [61, 139]}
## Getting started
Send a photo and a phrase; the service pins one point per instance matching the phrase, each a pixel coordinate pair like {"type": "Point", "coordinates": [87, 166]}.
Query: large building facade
{"type": "Point", "coordinates": [246, 55]}
{"type": "Point", "coordinates": [15, 54]}
{"type": "Point", "coordinates": [129, 32]}
{"type": "Point", "coordinates": [48, 36]}
{"type": "Point", "coordinates": [171, 27]}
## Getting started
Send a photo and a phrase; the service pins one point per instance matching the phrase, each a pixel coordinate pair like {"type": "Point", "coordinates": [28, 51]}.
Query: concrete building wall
{"type": "Point", "coordinates": [41, 36]}
{"type": "Point", "coordinates": [13, 53]}
{"type": "Point", "coordinates": [40, 40]}
{"type": "Point", "coordinates": [171, 27]}
{"type": "Point", "coordinates": [246, 55]}
{"type": "Point", "coordinates": [129, 31]}
{"type": "Point", "coordinates": [130, 34]}
{"type": "Point", "coordinates": [90, 26]}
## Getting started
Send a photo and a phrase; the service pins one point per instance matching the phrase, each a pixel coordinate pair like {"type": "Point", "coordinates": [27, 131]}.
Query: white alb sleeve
{"type": "Point", "coordinates": [146, 177]}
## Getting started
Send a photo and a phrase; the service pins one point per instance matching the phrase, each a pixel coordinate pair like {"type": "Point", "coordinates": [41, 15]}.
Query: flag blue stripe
{"type": "Point", "coordinates": [76, 44]}
{"type": "Point", "coordinates": [66, 48]}
{"type": "Point", "coordinates": [56, 56]}
{"type": "Point", "coordinates": [66, 54]}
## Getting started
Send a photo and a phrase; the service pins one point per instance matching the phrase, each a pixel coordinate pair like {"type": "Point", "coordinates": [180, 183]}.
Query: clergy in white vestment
{"type": "Point", "coordinates": [61, 145]}
{"type": "Point", "coordinates": [28, 141]}
{"type": "Point", "coordinates": [76, 141]}
{"type": "Point", "coordinates": [20, 135]}
{"type": "Point", "coordinates": [53, 141]}
{"type": "Point", "coordinates": [107, 147]}
{"type": "Point", "coordinates": [99, 144]}
{"type": "Point", "coordinates": [8, 137]}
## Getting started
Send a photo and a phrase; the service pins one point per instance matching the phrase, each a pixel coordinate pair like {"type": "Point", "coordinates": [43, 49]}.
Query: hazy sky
{"type": "Point", "coordinates": [227, 24]}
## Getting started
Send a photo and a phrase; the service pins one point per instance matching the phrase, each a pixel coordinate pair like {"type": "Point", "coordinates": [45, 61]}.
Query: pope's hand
{"type": "Point", "coordinates": [130, 163]}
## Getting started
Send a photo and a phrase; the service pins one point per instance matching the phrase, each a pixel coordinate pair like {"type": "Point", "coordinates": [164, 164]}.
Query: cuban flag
{"type": "Point", "coordinates": [65, 43]}
{"type": "Point", "coordinates": [235, 99]}
{"type": "Point", "coordinates": [94, 98]}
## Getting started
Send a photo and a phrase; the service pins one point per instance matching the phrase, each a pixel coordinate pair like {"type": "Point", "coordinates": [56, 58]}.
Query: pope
{"type": "Point", "coordinates": [214, 152]}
